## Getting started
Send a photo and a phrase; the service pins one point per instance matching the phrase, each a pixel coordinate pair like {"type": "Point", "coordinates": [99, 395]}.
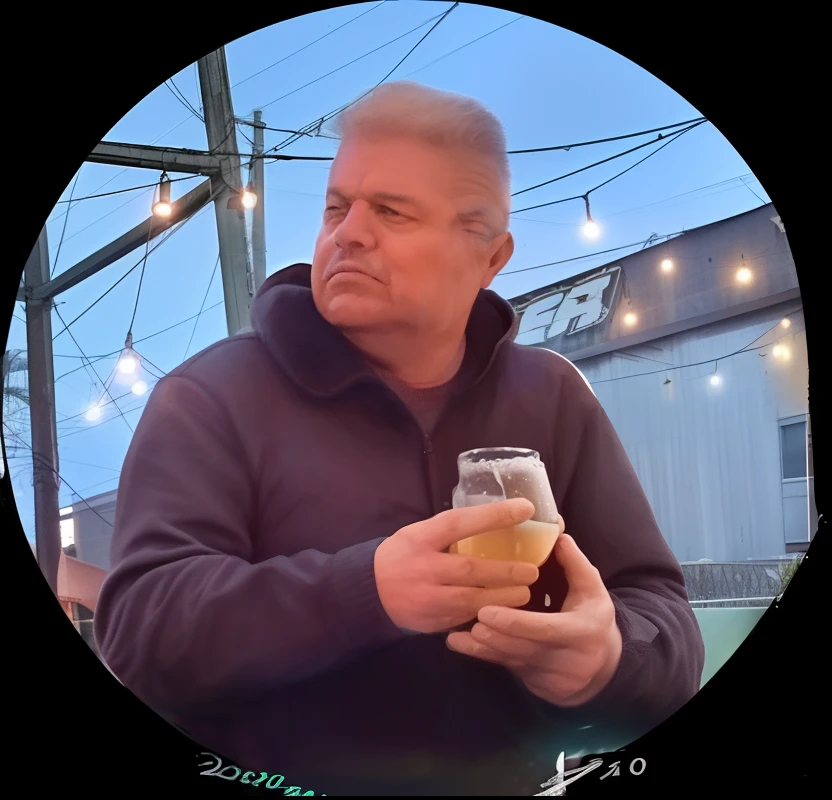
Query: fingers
{"type": "Point", "coordinates": [467, 645]}
{"type": "Point", "coordinates": [464, 603]}
{"type": "Point", "coordinates": [450, 527]}
{"type": "Point", "coordinates": [580, 574]}
{"type": "Point", "coordinates": [454, 570]}
{"type": "Point", "coordinates": [558, 630]}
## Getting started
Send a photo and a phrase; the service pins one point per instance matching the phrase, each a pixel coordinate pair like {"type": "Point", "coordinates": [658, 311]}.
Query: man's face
{"type": "Point", "coordinates": [410, 235]}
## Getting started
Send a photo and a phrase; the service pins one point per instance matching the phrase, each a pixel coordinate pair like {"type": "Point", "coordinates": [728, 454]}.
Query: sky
{"type": "Point", "coordinates": [548, 86]}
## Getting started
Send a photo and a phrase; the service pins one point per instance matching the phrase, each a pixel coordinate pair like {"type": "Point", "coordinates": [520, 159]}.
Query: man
{"type": "Point", "coordinates": [281, 586]}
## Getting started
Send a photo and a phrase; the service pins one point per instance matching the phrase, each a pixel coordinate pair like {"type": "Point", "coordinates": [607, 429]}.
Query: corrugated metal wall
{"type": "Point", "coordinates": [709, 456]}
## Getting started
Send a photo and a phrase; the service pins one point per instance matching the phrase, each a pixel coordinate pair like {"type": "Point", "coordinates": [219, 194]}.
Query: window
{"type": "Point", "coordinates": [793, 449]}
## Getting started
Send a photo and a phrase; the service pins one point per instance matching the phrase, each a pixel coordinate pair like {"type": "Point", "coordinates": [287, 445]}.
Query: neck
{"type": "Point", "coordinates": [416, 363]}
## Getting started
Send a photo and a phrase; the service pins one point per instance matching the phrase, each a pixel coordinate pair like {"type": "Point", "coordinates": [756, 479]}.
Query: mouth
{"type": "Point", "coordinates": [347, 268]}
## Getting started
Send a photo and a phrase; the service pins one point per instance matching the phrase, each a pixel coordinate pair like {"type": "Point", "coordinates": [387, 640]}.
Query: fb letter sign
{"type": "Point", "coordinates": [569, 309]}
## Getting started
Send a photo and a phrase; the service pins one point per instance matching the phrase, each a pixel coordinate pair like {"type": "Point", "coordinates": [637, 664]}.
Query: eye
{"type": "Point", "coordinates": [387, 211]}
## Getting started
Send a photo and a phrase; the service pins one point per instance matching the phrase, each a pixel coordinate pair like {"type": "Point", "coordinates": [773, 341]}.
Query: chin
{"type": "Point", "coordinates": [351, 312]}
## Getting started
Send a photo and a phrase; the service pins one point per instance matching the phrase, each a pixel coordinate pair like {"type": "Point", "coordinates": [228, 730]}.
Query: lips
{"type": "Point", "coordinates": [347, 268]}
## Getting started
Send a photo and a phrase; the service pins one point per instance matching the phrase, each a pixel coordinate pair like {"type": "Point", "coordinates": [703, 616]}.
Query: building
{"type": "Point", "coordinates": [696, 349]}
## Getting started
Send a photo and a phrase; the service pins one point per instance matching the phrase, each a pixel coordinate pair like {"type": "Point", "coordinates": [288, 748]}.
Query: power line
{"type": "Point", "coordinates": [204, 299]}
{"type": "Point", "coordinates": [589, 255]}
{"type": "Point", "coordinates": [66, 220]}
{"type": "Point", "coordinates": [137, 341]}
{"type": "Point", "coordinates": [320, 38]}
{"type": "Point", "coordinates": [103, 383]}
{"type": "Point", "coordinates": [467, 44]}
{"type": "Point", "coordinates": [436, 24]}
{"type": "Point", "coordinates": [161, 372]}
{"type": "Point", "coordinates": [178, 94]}
{"type": "Point", "coordinates": [43, 460]}
{"type": "Point", "coordinates": [608, 139]}
{"type": "Point", "coordinates": [141, 277]}
{"type": "Point", "coordinates": [170, 233]}
{"type": "Point", "coordinates": [349, 63]}
{"type": "Point", "coordinates": [128, 189]}
{"type": "Point", "coordinates": [747, 349]}
{"type": "Point", "coordinates": [584, 196]}
{"type": "Point", "coordinates": [598, 163]}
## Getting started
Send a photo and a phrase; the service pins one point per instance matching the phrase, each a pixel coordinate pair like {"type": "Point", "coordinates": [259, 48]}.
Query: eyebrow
{"type": "Point", "coordinates": [377, 197]}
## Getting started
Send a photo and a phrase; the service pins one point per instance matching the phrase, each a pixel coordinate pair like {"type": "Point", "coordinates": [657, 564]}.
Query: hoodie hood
{"type": "Point", "coordinates": [322, 361]}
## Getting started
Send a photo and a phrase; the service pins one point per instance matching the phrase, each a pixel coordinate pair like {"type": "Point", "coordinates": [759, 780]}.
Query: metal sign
{"type": "Point", "coordinates": [568, 309]}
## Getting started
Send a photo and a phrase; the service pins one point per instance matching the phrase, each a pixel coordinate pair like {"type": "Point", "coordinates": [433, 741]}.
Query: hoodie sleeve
{"type": "Point", "coordinates": [185, 617]}
{"type": "Point", "coordinates": [609, 516]}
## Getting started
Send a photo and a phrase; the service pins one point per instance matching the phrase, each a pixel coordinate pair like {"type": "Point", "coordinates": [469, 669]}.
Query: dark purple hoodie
{"type": "Point", "coordinates": [262, 476]}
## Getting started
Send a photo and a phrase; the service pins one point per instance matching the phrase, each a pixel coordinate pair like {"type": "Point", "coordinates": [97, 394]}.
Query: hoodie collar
{"type": "Point", "coordinates": [322, 361]}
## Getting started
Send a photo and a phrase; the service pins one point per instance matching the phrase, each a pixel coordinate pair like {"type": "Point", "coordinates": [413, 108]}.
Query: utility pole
{"type": "Point", "coordinates": [258, 226]}
{"type": "Point", "coordinates": [42, 413]}
{"type": "Point", "coordinates": [221, 126]}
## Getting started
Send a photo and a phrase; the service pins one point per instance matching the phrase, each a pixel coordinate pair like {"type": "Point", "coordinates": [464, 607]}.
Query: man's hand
{"type": "Point", "coordinates": [565, 658]}
{"type": "Point", "coordinates": [426, 590]}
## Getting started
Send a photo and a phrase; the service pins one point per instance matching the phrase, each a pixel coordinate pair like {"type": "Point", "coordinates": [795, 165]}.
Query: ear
{"type": "Point", "coordinates": [503, 252]}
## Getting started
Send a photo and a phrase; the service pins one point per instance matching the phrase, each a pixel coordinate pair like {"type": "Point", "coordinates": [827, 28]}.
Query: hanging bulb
{"type": "Point", "coordinates": [128, 362]}
{"type": "Point", "coordinates": [667, 265]}
{"type": "Point", "coordinates": [139, 388]}
{"type": "Point", "coordinates": [630, 319]}
{"type": "Point", "coordinates": [782, 352]}
{"type": "Point", "coordinates": [248, 198]}
{"type": "Point", "coordinates": [590, 229]}
{"type": "Point", "coordinates": [743, 273]}
{"type": "Point", "coordinates": [162, 207]}
{"type": "Point", "coordinates": [786, 322]}
{"type": "Point", "coordinates": [716, 380]}
{"type": "Point", "coordinates": [93, 413]}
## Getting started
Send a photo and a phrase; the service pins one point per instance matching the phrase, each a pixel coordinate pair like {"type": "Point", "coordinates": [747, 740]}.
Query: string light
{"type": "Point", "coordinates": [93, 413]}
{"type": "Point", "coordinates": [128, 362]}
{"type": "Point", "coordinates": [716, 380]}
{"type": "Point", "coordinates": [591, 229]}
{"type": "Point", "coordinates": [667, 265]}
{"type": "Point", "coordinates": [782, 352]}
{"type": "Point", "coordinates": [630, 319]}
{"type": "Point", "coordinates": [786, 322]}
{"type": "Point", "coordinates": [249, 197]}
{"type": "Point", "coordinates": [139, 388]}
{"type": "Point", "coordinates": [744, 275]}
{"type": "Point", "coordinates": [162, 207]}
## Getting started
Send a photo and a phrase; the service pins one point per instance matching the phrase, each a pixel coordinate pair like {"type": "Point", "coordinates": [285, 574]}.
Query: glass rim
{"type": "Point", "coordinates": [518, 452]}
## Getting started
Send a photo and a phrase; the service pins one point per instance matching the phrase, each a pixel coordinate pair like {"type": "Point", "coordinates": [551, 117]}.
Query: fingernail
{"type": "Point", "coordinates": [487, 614]}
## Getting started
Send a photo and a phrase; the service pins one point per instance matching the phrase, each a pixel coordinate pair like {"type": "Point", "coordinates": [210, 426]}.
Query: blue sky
{"type": "Point", "coordinates": [549, 86]}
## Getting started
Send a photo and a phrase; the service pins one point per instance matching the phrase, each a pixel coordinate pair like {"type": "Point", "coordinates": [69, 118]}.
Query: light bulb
{"type": "Point", "coordinates": [128, 364]}
{"type": "Point", "coordinates": [630, 319]}
{"type": "Point", "coordinates": [667, 265]}
{"type": "Point", "coordinates": [162, 209]}
{"type": "Point", "coordinates": [716, 380]}
{"type": "Point", "coordinates": [249, 199]}
{"type": "Point", "coordinates": [744, 275]}
{"type": "Point", "coordinates": [93, 413]}
{"type": "Point", "coordinates": [781, 351]}
{"type": "Point", "coordinates": [591, 230]}
{"type": "Point", "coordinates": [786, 322]}
{"type": "Point", "coordinates": [139, 388]}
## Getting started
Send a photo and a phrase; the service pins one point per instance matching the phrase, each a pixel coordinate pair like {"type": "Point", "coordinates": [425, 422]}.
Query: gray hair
{"type": "Point", "coordinates": [444, 119]}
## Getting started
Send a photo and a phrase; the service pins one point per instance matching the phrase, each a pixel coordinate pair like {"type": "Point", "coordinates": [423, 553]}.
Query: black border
{"type": "Point", "coordinates": [72, 72]}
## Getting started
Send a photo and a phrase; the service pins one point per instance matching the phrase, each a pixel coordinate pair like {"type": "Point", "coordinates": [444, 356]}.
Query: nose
{"type": "Point", "coordinates": [356, 229]}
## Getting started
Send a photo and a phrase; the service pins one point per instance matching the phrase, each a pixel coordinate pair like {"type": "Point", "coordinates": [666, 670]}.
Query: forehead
{"type": "Point", "coordinates": [416, 169]}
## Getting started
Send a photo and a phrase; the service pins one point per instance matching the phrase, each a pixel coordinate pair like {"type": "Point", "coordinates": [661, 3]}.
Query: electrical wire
{"type": "Point", "coordinates": [603, 161]}
{"type": "Point", "coordinates": [747, 349]}
{"type": "Point", "coordinates": [320, 38]}
{"type": "Point", "coordinates": [350, 63]}
{"type": "Point", "coordinates": [467, 44]}
{"type": "Point", "coordinates": [63, 230]}
{"type": "Point", "coordinates": [204, 299]}
{"type": "Point", "coordinates": [177, 93]}
{"type": "Point", "coordinates": [588, 255]}
{"type": "Point", "coordinates": [95, 372]}
{"type": "Point", "coordinates": [436, 24]}
{"type": "Point", "coordinates": [128, 189]}
{"type": "Point", "coordinates": [170, 233]}
{"type": "Point", "coordinates": [45, 462]}
{"type": "Point", "coordinates": [141, 276]}
{"type": "Point", "coordinates": [96, 359]}
{"type": "Point", "coordinates": [146, 360]}
{"type": "Point", "coordinates": [672, 138]}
